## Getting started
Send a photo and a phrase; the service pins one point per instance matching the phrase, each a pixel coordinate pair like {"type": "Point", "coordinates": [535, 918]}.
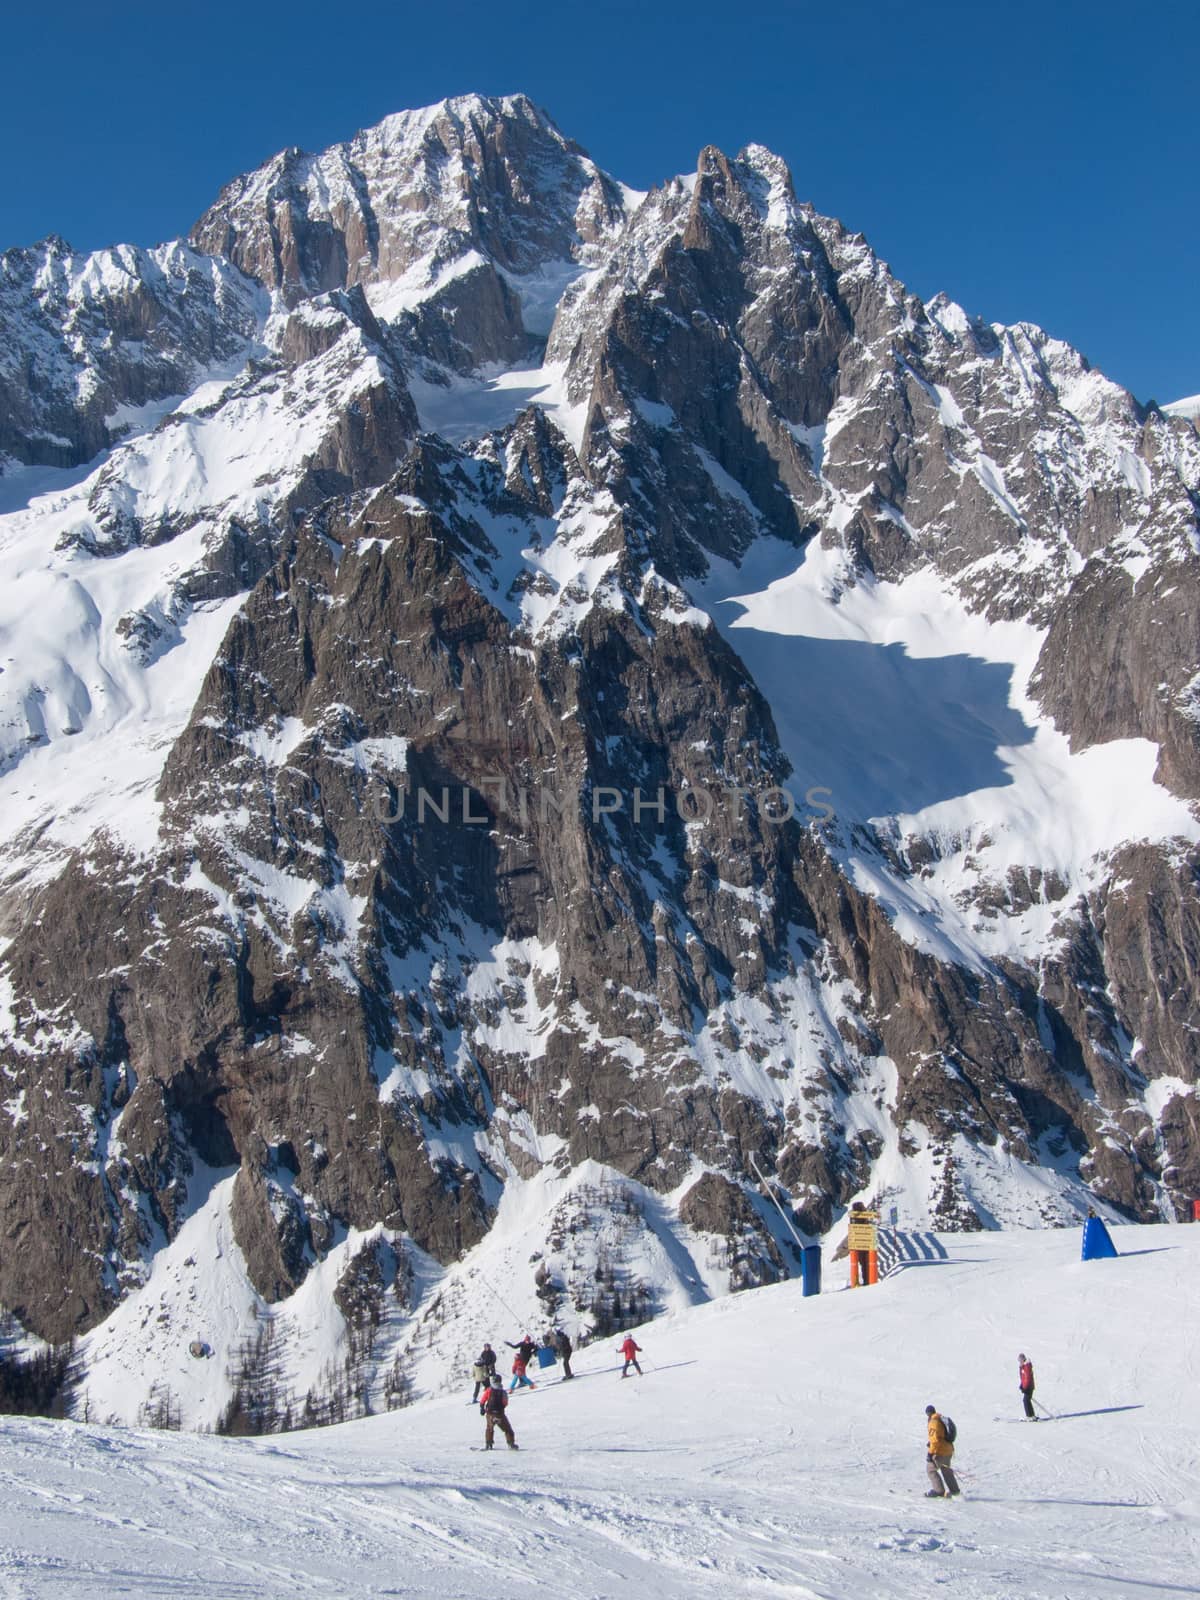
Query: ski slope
{"type": "Point", "coordinates": [775, 1447]}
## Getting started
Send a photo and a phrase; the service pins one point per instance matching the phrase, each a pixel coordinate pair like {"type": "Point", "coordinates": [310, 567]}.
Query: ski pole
{"type": "Point", "coordinates": [1050, 1414]}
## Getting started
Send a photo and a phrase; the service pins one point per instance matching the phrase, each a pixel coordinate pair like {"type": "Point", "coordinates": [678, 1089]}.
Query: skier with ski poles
{"type": "Point", "coordinates": [629, 1349]}
{"type": "Point", "coordinates": [492, 1407]}
{"type": "Point", "coordinates": [1025, 1373]}
{"type": "Point", "coordinates": [940, 1452]}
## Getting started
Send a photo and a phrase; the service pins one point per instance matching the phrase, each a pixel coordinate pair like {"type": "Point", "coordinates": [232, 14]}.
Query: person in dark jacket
{"type": "Point", "coordinates": [563, 1348]}
{"type": "Point", "coordinates": [1025, 1384]}
{"type": "Point", "coordinates": [526, 1350]}
{"type": "Point", "coordinates": [485, 1367]}
{"type": "Point", "coordinates": [492, 1407]}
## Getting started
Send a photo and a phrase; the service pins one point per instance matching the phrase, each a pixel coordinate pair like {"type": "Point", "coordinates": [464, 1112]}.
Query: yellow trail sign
{"type": "Point", "coordinates": [863, 1227]}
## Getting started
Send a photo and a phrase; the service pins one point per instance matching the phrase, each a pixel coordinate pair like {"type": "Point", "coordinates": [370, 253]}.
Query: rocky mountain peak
{"type": "Point", "coordinates": [556, 700]}
{"type": "Point", "coordinates": [468, 187]}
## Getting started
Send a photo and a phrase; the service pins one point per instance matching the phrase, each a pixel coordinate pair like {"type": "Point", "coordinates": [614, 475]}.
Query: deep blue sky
{"type": "Point", "coordinates": [1036, 160]}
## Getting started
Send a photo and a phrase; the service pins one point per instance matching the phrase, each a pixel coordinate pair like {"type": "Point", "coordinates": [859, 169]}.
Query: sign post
{"type": "Point", "coordinates": [863, 1242]}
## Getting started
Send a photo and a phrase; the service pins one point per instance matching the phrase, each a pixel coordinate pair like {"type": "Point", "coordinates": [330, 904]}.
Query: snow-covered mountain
{"type": "Point", "coordinates": [547, 703]}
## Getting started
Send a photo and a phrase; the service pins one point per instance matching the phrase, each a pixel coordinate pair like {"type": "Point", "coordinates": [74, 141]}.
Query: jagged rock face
{"type": "Point", "coordinates": [779, 344]}
{"type": "Point", "coordinates": [87, 340]}
{"type": "Point", "coordinates": [323, 408]}
{"type": "Point", "coordinates": [471, 858]}
{"type": "Point", "coordinates": [714, 1205]}
{"type": "Point", "coordinates": [1117, 659]}
{"type": "Point", "coordinates": [434, 212]}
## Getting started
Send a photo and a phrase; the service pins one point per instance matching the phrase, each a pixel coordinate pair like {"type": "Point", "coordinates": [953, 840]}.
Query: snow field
{"type": "Point", "coordinates": [775, 1447]}
{"type": "Point", "coordinates": [568, 1224]}
{"type": "Point", "coordinates": [916, 714]}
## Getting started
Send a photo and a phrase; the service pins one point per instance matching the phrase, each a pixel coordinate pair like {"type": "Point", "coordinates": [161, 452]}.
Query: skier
{"type": "Point", "coordinates": [629, 1350]}
{"type": "Point", "coordinates": [563, 1348]}
{"type": "Point", "coordinates": [521, 1378]}
{"type": "Point", "coordinates": [526, 1351]}
{"type": "Point", "coordinates": [1025, 1367]}
{"type": "Point", "coordinates": [492, 1407]}
{"type": "Point", "coordinates": [942, 1482]}
{"type": "Point", "coordinates": [485, 1367]}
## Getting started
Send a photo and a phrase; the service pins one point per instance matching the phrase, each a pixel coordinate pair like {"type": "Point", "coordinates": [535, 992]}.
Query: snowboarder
{"type": "Point", "coordinates": [485, 1368]}
{"type": "Point", "coordinates": [563, 1348]}
{"type": "Point", "coordinates": [492, 1407]}
{"type": "Point", "coordinates": [1025, 1367]}
{"type": "Point", "coordinates": [942, 1482]}
{"type": "Point", "coordinates": [629, 1349]}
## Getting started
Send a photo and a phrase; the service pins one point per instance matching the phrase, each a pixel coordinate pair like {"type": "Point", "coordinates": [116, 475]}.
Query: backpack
{"type": "Point", "coordinates": [951, 1429]}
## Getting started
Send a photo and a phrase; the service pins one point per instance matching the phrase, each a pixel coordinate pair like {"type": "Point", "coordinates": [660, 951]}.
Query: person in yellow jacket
{"type": "Point", "coordinates": [942, 1481]}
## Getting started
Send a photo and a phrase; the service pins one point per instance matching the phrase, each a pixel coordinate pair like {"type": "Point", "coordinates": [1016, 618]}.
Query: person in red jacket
{"type": "Point", "coordinates": [629, 1350]}
{"type": "Point", "coordinates": [492, 1406]}
{"type": "Point", "coordinates": [1025, 1367]}
{"type": "Point", "coordinates": [520, 1378]}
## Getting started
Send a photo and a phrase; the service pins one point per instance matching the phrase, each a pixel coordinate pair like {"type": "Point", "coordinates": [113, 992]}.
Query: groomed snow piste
{"type": "Point", "coordinates": [775, 1447]}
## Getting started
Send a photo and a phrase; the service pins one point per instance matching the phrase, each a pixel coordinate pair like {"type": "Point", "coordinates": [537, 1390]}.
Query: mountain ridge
{"type": "Point", "coordinates": [503, 482]}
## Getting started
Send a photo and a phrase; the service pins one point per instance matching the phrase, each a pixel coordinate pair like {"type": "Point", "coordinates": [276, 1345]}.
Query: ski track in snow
{"type": "Point", "coordinates": [774, 1448]}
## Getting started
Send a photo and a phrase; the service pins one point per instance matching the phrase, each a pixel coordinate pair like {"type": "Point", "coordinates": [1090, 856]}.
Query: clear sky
{"type": "Point", "coordinates": [1037, 159]}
